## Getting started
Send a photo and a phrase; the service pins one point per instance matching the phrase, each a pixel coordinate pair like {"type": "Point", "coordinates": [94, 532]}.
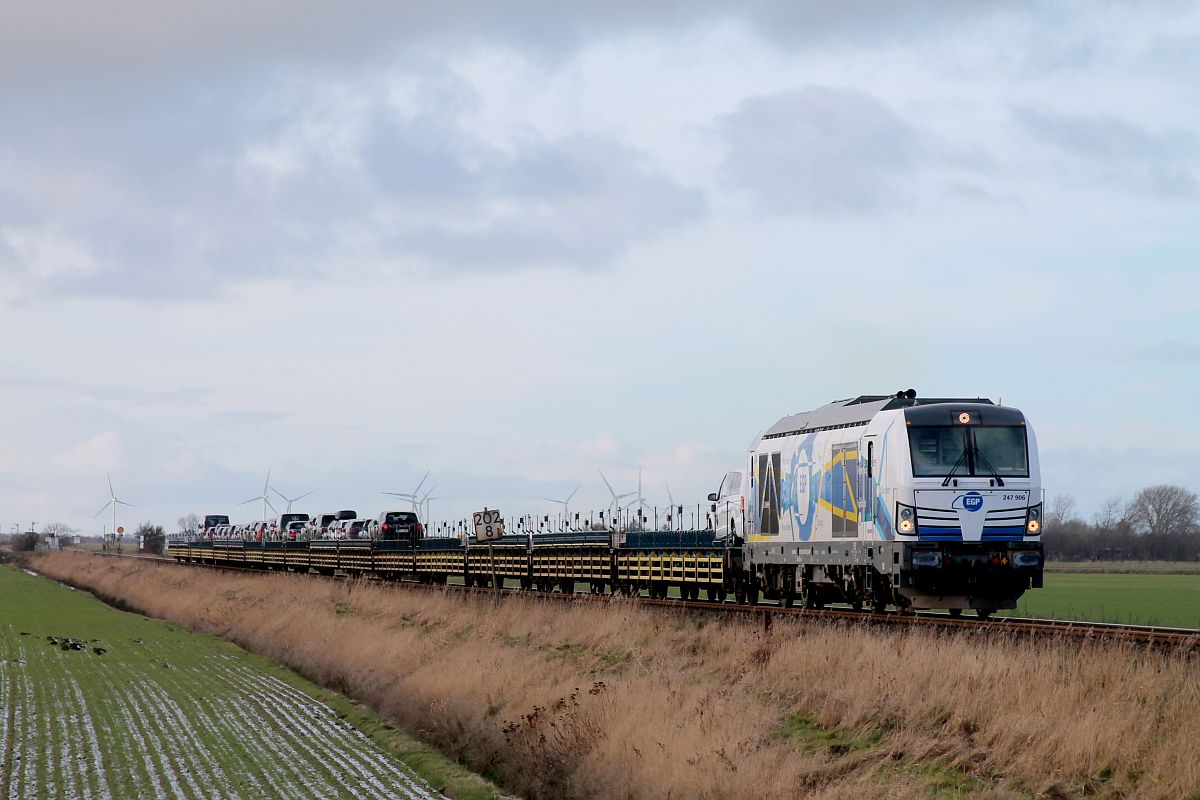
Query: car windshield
{"type": "Point", "coordinates": [401, 518]}
{"type": "Point", "coordinates": [979, 451]}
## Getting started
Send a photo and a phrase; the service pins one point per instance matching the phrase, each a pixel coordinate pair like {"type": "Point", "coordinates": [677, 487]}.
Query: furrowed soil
{"type": "Point", "coordinates": [618, 700]}
{"type": "Point", "coordinates": [98, 703]}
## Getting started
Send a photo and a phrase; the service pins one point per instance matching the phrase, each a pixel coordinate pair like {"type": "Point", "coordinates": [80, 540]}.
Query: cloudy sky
{"type": "Point", "coordinates": [518, 243]}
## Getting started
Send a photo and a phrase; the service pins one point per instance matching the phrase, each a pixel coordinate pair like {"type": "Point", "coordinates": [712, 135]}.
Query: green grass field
{"type": "Point", "coordinates": [1139, 599]}
{"type": "Point", "coordinates": [97, 703]}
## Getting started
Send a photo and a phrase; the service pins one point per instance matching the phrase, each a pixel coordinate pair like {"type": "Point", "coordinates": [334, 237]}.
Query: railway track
{"type": "Point", "coordinates": [1187, 639]}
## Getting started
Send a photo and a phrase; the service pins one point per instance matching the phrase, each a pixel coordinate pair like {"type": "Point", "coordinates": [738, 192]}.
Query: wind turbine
{"type": "Point", "coordinates": [290, 500]}
{"type": "Point", "coordinates": [263, 497]}
{"type": "Point", "coordinates": [640, 502]}
{"type": "Point", "coordinates": [616, 498]}
{"type": "Point", "coordinates": [114, 502]}
{"type": "Point", "coordinates": [425, 501]}
{"type": "Point", "coordinates": [565, 504]}
{"type": "Point", "coordinates": [414, 495]}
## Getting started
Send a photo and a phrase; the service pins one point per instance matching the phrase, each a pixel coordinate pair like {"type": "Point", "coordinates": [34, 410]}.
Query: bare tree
{"type": "Point", "coordinates": [189, 524]}
{"type": "Point", "coordinates": [59, 530]}
{"type": "Point", "coordinates": [1061, 511]}
{"type": "Point", "coordinates": [1164, 509]}
{"type": "Point", "coordinates": [1113, 515]}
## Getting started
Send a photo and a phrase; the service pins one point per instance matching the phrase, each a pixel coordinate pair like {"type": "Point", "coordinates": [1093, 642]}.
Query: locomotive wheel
{"type": "Point", "coordinates": [857, 604]}
{"type": "Point", "coordinates": [984, 613]}
{"type": "Point", "coordinates": [788, 600]}
{"type": "Point", "coordinates": [879, 605]}
{"type": "Point", "coordinates": [716, 595]}
{"type": "Point", "coordinates": [954, 612]}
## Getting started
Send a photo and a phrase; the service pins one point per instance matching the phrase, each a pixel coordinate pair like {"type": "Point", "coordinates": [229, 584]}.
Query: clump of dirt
{"type": "Point", "coordinates": [68, 643]}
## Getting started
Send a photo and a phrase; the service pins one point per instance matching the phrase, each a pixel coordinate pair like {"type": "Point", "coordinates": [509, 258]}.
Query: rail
{"type": "Point", "coordinates": [1187, 639]}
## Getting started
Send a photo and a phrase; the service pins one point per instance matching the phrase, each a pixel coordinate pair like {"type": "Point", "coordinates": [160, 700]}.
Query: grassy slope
{"type": "Point", "coordinates": [1142, 599]}
{"type": "Point", "coordinates": [167, 711]}
{"type": "Point", "coordinates": [614, 700]}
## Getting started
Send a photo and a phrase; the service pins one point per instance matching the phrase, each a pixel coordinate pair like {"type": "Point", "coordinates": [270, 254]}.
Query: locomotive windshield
{"type": "Point", "coordinates": [978, 451]}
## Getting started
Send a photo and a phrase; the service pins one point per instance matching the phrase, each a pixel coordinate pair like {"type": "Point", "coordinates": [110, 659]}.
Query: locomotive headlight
{"type": "Point", "coordinates": [906, 519]}
{"type": "Point", "coordinates": [1033, 520]}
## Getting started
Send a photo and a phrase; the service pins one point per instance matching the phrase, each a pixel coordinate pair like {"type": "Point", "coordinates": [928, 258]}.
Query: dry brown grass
{"type": "Point", "coordinates": [617, 700]}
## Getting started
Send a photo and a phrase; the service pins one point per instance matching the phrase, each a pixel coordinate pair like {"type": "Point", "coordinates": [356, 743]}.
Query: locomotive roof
{"type": "Point", "coordinates": [855, 411]}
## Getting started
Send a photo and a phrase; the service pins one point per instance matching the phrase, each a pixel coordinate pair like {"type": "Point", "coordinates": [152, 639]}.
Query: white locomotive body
{"type": "Point", "coordinates": [878, 500]}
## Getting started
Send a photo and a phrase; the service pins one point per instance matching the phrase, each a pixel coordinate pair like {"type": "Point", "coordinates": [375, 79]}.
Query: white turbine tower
{"type": "Point", "coordinates": [266, 500]}
{"type": "Point", "coordinates": [672, 511]}
{"type": "Point", "coordinates": [290, 500]}
{"type": "Point", "coordinates": [640, 501]}
{"type": "Point", "coordinates": [565, 504]}
{"type": "Point", "coordinates": [114, 502]}
{"type": "Point", "coordinates": [414, 495]}
{"type": "Point", "coordinates": [423, 514]}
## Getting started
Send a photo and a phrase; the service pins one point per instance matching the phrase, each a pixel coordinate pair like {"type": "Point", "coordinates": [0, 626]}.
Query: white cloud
{"type": "Point", "coordinates": [97, 454]}
{"type": "Point", "coordinates": [822, 151]}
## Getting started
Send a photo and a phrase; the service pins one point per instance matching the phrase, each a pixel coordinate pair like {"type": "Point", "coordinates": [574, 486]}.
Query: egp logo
{"type": "Point", "coordinates": [972, 501]}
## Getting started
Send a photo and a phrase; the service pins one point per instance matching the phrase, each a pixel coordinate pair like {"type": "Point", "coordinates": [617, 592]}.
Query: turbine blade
{"type": "Point", "coordinates": [103, 509]}
{"type": "Point", "coordinates": [267, 482]}
{"type": "Point", "coordinates": [422, 483]}
{"type": "Point", "coordinates": [606, 483]}
{"type": "Point", "coordinates": [122, 502]}
{"type": "Point", "coordinates": [572, 494]}
{"type": "Point", "coordinates": [251, 500]}
{"type": "Point", "coordinates": [111, 493]}
{"type": "Point", "coordinates": [281, 494]}
{"type": "Point", "coordinates": [269, 505]}
{"type": "Point", "coordinates": [301, 497]}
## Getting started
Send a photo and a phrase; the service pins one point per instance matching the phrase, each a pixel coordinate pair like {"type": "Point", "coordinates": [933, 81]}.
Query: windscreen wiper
{"type": "Point", "coordinates": [955, 467]}
{"type": "Point", "coordinates": [979, 456]}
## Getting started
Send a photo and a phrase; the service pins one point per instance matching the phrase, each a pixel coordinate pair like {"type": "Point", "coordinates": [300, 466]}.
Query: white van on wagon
{"type": "Point", "coordinates": [728, 506]}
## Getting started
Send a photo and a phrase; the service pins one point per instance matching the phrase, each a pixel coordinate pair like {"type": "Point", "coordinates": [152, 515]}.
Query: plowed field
{"type": "Point", "coordinates": [95, 703]}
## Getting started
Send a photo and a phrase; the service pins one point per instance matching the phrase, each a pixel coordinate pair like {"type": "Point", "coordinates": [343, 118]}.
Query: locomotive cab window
{"type": "Point", "coordinates": [982, 451]}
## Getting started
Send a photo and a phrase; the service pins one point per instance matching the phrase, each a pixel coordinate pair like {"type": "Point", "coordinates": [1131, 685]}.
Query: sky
{"type": "Point", "coordinates": [517, 244]}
